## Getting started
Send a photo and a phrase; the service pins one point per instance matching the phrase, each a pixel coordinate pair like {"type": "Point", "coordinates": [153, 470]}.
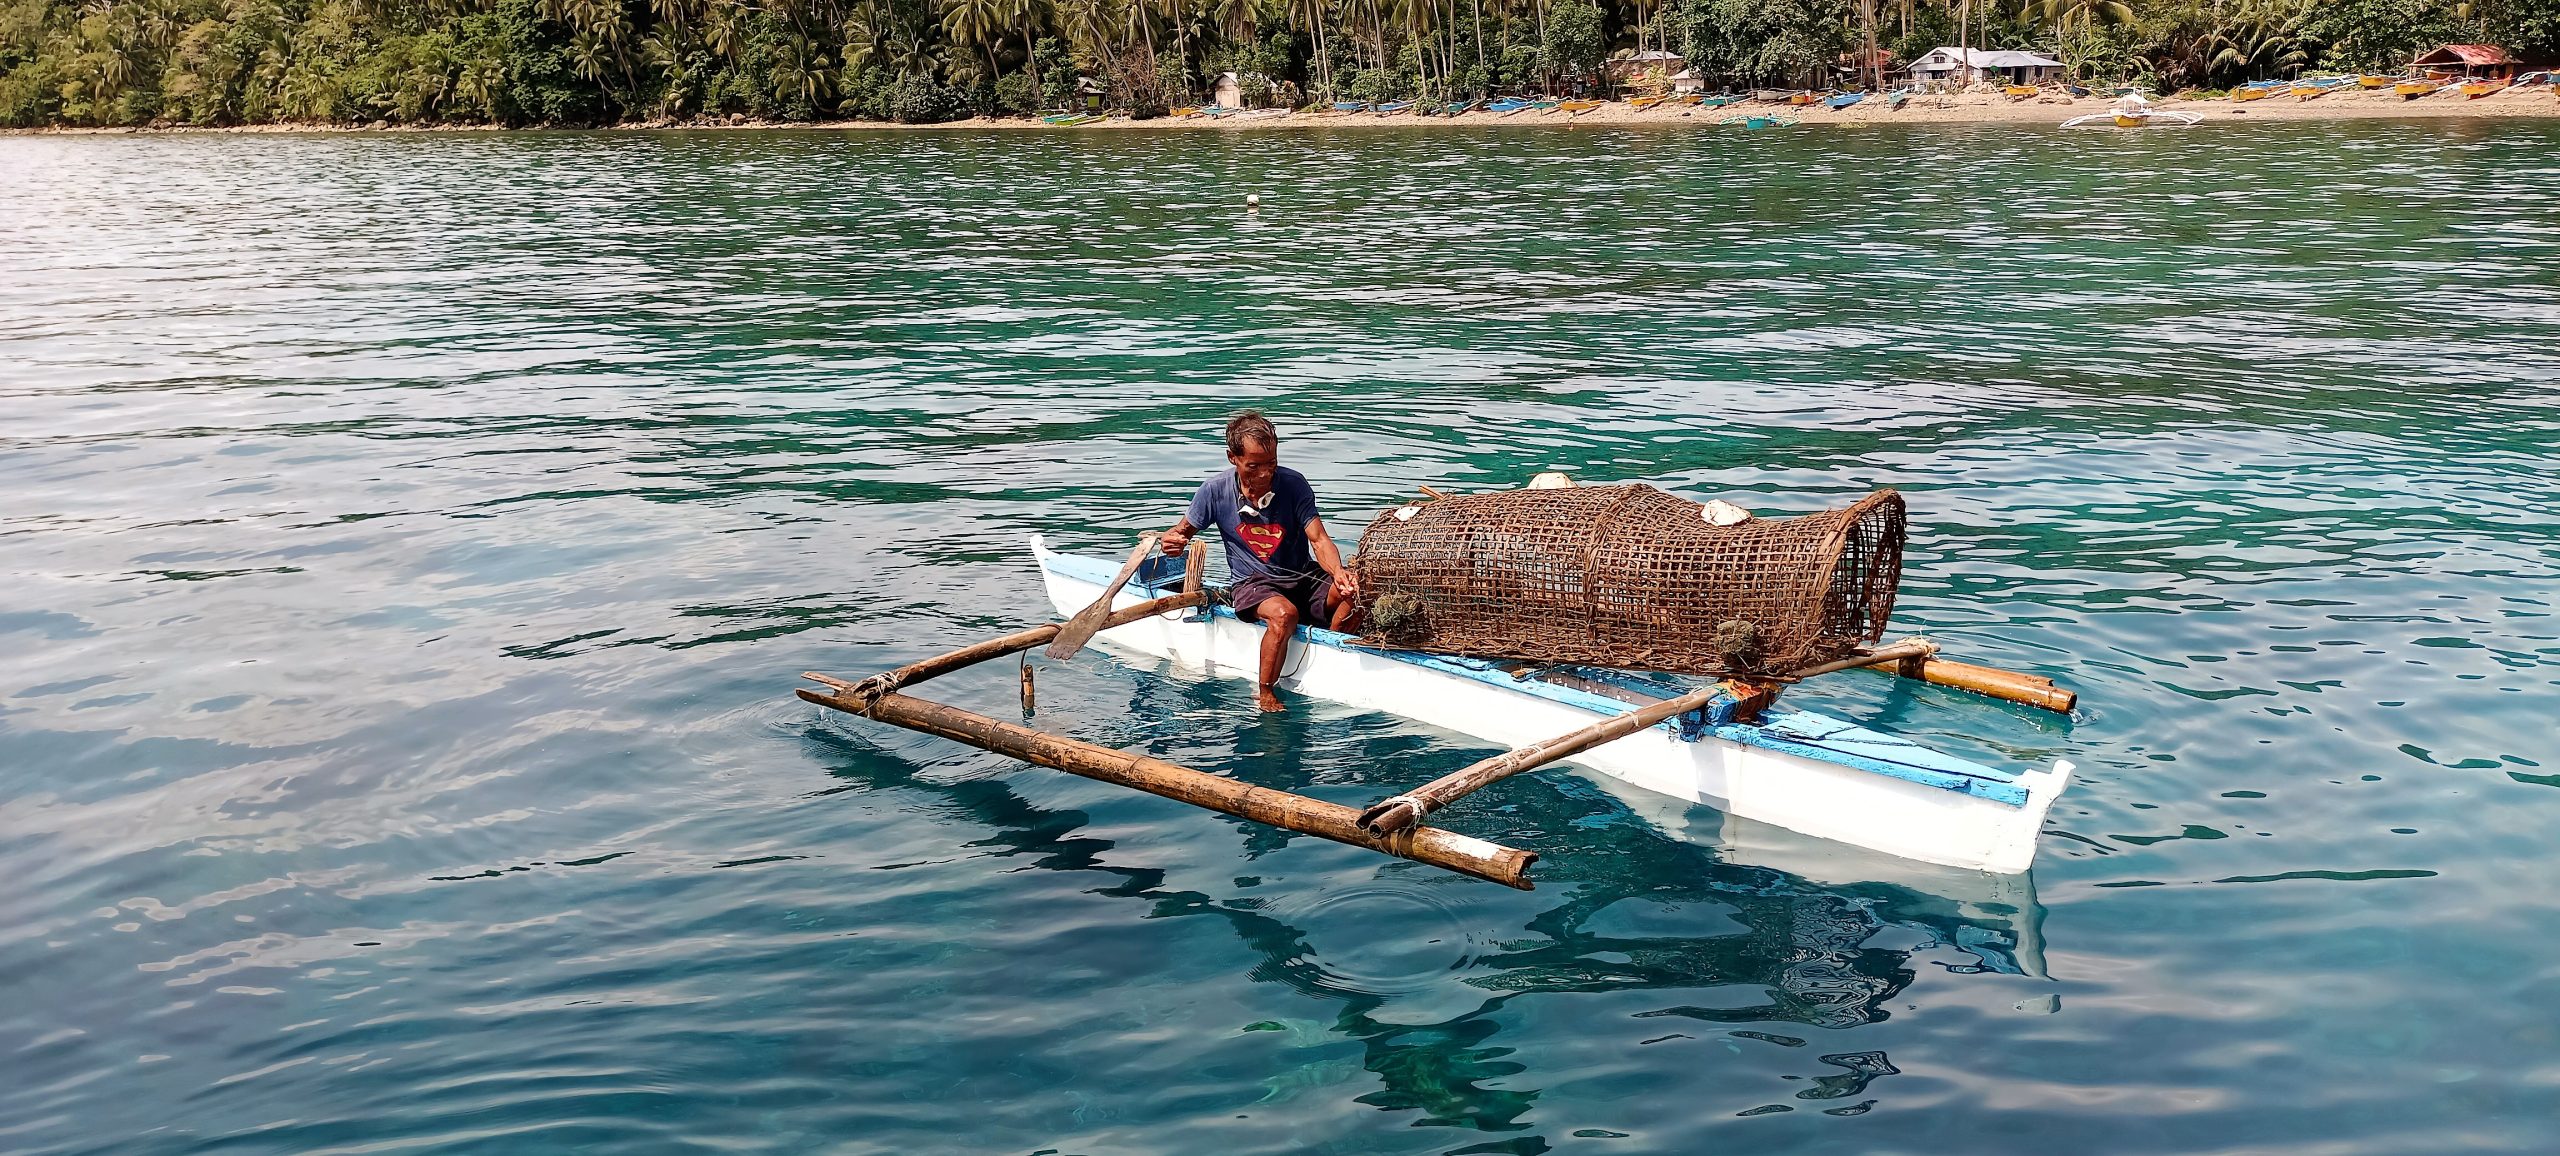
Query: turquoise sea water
{"type": "Point", "coordinates": [411, 544]}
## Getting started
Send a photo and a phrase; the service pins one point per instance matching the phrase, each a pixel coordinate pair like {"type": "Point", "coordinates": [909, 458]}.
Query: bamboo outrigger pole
{"type": "Point", "coordinates": [877, 697]}
{"type": "Point", "coordinates": [1911, 658]}
{"type": "Point", "coordinates": [1412, 807]}
{"type": "Point", "coordinates": [1444, 849]}
{"type": "Point", "coordinates": [1918, 658]}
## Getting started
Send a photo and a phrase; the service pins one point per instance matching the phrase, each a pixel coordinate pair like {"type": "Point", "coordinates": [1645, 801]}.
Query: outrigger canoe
{"type": "Point", "coordinates": [1800, 770]}
{"type": "Point", "coordinates": [2135, 116]}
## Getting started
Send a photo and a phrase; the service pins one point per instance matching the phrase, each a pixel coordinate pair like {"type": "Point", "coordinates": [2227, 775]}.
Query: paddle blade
{"type": "Point", "coordinates": [1080, 629]}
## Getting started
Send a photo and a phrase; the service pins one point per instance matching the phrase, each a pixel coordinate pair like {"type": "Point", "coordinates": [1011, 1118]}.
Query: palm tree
{"type": "Point", "coordinates": [977, 21]}
{"type": "Point", "coordinates": [802, 71]}
{"type": "Point", "coordinates": [1026, 15]}
{"type": "Point", "coordinates": [2065, 15]}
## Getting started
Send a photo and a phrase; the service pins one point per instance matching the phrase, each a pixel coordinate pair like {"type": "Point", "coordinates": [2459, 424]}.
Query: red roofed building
{"type": "Point", "coordinates": [2472, 61]}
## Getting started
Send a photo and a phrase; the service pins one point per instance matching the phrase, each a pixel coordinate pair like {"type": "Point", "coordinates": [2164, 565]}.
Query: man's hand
{"type": "Point", "coordinates": [1346, 584]}
{"type": "Point", "coordinates": [1174, 541]}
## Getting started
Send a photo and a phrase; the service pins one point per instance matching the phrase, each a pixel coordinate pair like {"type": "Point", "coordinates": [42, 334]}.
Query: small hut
{"type": "Point", "coordinates": [1630, 66]}
{"type": "Point", "coordinates": [2468, 61]}
{"type": "Point", "coordinates": [1855, 68]}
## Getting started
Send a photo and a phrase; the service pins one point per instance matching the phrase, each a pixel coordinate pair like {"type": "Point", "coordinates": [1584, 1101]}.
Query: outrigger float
{"type": "Point", "coordinates": [1662, 738]}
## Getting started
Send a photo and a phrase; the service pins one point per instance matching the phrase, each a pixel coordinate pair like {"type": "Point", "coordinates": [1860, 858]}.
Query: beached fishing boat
{"type": "Point", "coordinates": [2414, 89]}
{"type": "Point", "coordinates": [1071, 119]}
{"type": "Point", "coordinates": [2371, 81]}
{"type": "Point", "coordinates": [1577, 107]}
{"type": "Point", "coordinates": [1803, 98]}
{"type": "Point", "coordinates": [1800, 770]}
{"type": "Point", "coordinates": [2021, 91]}
{"type": "Point", "coordinates": [1351, 106]}
{"type": "Point", "coordinates": [2475, 89]}
{"type": "Point", "coordinates": [1392, 107]}
{"type": "Point", "coordinates": [1723, 101]}
{"type": "Point", "coordinates": [1758, 120]}
{"type": "Point", "coordinates": [1510, 104]}
{"type": "Point", "coordinates": [1844, 99]}
{"type": "Point", "coordinates": [1645, 102]}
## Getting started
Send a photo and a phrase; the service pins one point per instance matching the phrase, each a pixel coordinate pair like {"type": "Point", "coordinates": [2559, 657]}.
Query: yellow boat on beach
{"type": "Point", "coordinates": [2021, 91]}
{"type": "Point", "coordinates": [2413, 89]}
{"type": "Point", "coordinates": [2476, 89]}
{"type": "Point", "coordinates": [2374, 81]}
{"type": "Point", "coordinates": [1580, 105]}
{"type": "Point", "coordinates": [1647, 101]}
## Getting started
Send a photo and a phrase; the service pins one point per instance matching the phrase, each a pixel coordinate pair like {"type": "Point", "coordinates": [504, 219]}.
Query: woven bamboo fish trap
{"type": "Point", "coordinates": [1630, 577]}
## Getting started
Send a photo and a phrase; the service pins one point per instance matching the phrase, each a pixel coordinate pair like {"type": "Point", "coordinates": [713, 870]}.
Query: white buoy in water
{"type": "Point", "coordinates": [1253, 200]}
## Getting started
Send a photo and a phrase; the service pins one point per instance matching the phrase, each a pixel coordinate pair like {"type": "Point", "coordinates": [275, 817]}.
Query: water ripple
{"type": "Point", "coordinates": [411, 540]}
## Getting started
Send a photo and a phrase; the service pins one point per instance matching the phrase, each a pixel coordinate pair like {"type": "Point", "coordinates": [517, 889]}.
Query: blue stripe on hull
{"type": "Point", "coordinates": [1803, 734]}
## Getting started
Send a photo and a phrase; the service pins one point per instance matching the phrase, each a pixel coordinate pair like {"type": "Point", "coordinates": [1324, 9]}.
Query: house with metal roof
{"type": "Point", "coordinates": [1968, 65]}
{"type": "Point", "coordinates": [2471, 61]}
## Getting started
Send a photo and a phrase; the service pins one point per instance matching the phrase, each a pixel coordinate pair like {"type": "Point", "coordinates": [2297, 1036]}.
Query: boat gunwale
{"type": "Point", "coordinates": [1982, 782]}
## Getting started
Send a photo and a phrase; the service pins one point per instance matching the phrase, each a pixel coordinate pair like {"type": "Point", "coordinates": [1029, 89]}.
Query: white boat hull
{"type": "Point", "coordinates": [1934, 813]}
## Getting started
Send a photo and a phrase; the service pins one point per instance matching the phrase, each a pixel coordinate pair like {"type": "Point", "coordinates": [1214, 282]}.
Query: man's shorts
{"type": "Point", "coordinates": [1312, 595]}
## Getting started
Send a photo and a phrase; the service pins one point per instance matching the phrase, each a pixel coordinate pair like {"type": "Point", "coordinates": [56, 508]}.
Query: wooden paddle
{"type": "Point", "coordinates": [1080, 629]}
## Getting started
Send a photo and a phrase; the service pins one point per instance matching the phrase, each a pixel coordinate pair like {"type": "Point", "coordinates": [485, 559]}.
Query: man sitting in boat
{"type": "Point", "coordinates": [1275, 542]}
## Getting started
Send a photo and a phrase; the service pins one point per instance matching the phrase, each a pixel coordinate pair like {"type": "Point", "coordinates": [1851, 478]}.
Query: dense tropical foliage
{"type": "Point", "coordinates": [584, 62]}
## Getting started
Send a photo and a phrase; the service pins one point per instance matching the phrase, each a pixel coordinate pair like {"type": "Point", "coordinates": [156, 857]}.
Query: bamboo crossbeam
{"type": "Point", "coordinates": [967, 656]}
{"type": "Point", "coordinates": [1407, 810]}
{"type": "Point", "coordinates": [1439, 848]}
{"type": "Point", "coordinates": [1897, 652]}
{"type": "Point", "coordinates": [1918, 658]}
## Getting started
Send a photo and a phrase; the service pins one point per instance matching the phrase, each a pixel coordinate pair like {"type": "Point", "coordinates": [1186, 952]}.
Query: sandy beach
{"type": "Point", "coordinates": [1965, 108]}
{"type": "Point", "coordinates": [2541, 101]}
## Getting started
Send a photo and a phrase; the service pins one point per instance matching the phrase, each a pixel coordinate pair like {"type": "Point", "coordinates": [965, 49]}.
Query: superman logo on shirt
{"type": "Point", "coordinates": [1263, 538]}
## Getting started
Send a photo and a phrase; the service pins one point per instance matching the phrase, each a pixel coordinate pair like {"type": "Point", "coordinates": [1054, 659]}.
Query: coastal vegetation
{"type": "Point", "coordinates": [590, 62]}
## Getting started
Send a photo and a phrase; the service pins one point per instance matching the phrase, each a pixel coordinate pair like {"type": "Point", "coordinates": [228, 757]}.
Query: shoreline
{"type": "Point", "coordinates": [2538, 103]}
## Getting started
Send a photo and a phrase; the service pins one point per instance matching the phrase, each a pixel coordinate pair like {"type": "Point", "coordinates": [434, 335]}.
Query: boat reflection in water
{"type": "Point", "coordinates": [1428, 977]}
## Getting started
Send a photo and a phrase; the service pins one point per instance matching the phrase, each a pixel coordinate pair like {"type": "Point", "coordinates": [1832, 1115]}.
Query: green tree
{"type": "Point", "coordinates": [1575, 41]}
{"type": "Point", "coordinates": [2369, 35]}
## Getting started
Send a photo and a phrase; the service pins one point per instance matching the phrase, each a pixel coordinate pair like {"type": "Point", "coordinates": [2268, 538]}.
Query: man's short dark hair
{"type": "Point", "coordinates": [1250, 428]}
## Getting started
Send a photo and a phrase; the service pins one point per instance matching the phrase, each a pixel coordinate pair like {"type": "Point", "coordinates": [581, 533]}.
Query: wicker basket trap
{"type": "Point", "coordinates": [1629, 577]}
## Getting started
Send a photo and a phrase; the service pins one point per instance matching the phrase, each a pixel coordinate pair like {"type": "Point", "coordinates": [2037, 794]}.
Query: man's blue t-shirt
{"type": "Point", "coordinates": [1271, 540]}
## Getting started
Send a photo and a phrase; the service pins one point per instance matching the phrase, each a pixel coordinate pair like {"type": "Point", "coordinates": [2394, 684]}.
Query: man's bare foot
{"type": "Point", "coordinates": [1268, 701]}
